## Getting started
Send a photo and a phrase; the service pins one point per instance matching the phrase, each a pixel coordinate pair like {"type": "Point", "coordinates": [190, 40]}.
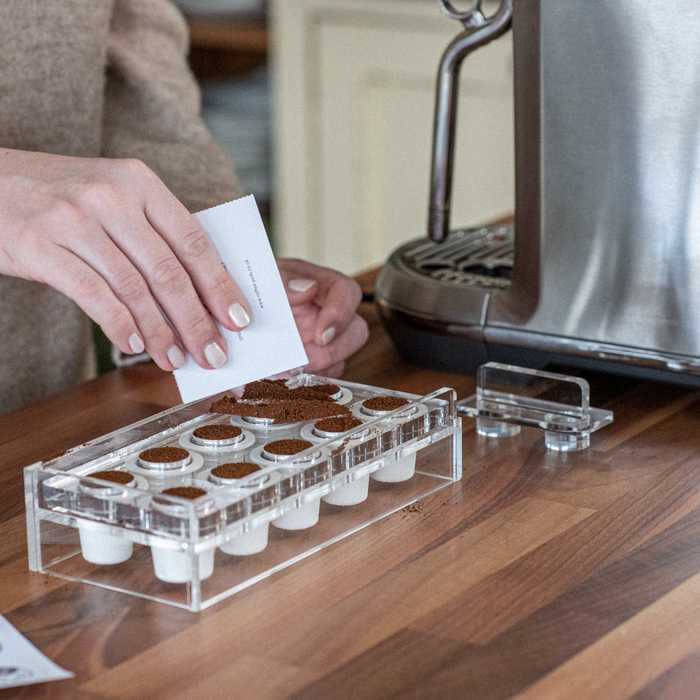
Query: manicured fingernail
{"type": "Point", "coordinates": [175, 357]}
{"type": "Point", "coordinates": [328, 335]}
{"type": "Point", "coordinates": [136, 344]}
{"type": "Point", "coordinates": [301, 285]}
{"type": "Point", "coordinates": [238, 315]}
{"type": "Point", "coordinates": [216, 357]}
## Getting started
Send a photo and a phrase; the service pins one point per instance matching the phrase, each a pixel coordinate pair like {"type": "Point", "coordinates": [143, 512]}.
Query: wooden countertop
{"type": "Point", "coordinates": [540, 576]}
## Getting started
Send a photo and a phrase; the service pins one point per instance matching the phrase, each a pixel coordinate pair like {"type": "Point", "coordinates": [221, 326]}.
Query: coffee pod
{"type": "Point", "coordinates": [285, 452]}
{"type": "Point", "coordinates": [215, 438]}
{"type": "Point", "coordinates": [246, 477]}
{"type": "Point", "coordinates": [398, 468]}
{"type": "Point", "coordinates": [165, 464]}
{"type": "Point", "coordinates": [173, 565]}
{"type": "Point", "coordinates": [356, 489]}
{"type": "Point", "coordinates": [288, 451]}
{"type": "Point", "coordinates": [98, 543]}
{"type": "Point", "coordinates": [339, 394]}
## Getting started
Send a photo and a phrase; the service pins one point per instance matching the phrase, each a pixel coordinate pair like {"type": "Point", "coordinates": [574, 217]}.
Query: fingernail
{"type": "Point", "coordinates": [216, 357]}
{"type": "Point", "coordinates": [238, 315]}
{"type": "Point", "coordinates": [136, 344]}
{"type": "Point", "coordinates": [175, 357]}
{"type": "Point", "coordinates": [328, 335]}
{"type": "Point", "coordinates": [301, 285]}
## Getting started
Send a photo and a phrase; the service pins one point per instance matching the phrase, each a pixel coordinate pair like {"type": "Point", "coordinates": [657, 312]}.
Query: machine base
{"type": "Point", "coordinates": [429, 345]}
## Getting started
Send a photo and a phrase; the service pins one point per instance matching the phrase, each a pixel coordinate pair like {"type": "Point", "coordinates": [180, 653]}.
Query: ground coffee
{"type": "Point", "coordinates": [384, 403]}
{"type": "Point", "coordinates": [287, 447]}
{"type": "Point", "coordinates": [277, 389]}
{"type": "Point", "coordinates": [217, 431]}
{"type": "Point", "coordinates": [113, 475]}
{"type": "Point", "coordinates": [337, 425]}
{"type": "Point", "coordinates": [235, 470]}
{"type": "Point", "coordinates": [287, 411]}
{"type": "Point", "coordinates": [190, 492]}
{"type": "Point", "coordinates": [164, 454]}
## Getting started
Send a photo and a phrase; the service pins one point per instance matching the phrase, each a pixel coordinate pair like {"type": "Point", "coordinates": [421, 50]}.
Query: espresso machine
{"type": "Point", "coordinates": [602, 266]}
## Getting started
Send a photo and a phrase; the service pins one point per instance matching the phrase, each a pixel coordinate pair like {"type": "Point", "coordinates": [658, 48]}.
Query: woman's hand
{"type": "Point", "coordinates": [325, 303]}
{"type": "Point", "coordinates": [112, 237]}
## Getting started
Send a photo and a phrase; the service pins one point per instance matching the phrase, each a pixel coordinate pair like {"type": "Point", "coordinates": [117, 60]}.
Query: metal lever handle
{"type": "Point", "coordinates": [479, 30]}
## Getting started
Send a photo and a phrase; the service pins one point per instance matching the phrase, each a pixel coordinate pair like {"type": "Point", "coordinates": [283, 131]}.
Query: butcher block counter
{"type": "Point", "coordinates": [540, 576]}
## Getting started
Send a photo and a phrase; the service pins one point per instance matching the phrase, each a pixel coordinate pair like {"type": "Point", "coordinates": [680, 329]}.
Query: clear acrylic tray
{"type": "Point", "coordinates": [194, 553]}
{"type": "Point", "coordinates": [508, 397]}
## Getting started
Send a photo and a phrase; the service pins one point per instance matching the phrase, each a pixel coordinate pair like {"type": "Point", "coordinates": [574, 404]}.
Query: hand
{"type": "Point", "coordinates": [324, 303]}
{"type": "Point", "coordinates": [111, 236]}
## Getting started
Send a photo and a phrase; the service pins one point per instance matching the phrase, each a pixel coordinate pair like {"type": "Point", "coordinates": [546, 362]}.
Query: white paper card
{"type": "Point", "coordinates": [271, 344]}
{"type": "Point", "coordinates": [21, 663]}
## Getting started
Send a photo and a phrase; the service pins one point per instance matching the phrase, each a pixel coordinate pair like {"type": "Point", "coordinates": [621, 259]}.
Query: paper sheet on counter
{"type": "Point", "coordinates": [21, 663]}
{"type": "Point", "coordinates": [271, 344]}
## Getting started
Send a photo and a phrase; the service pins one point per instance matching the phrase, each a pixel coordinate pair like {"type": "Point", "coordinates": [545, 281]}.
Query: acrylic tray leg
{"type": "Point", "coordinates": [492, 428]}
{"type": "Point", "coordinates": [561, 442]}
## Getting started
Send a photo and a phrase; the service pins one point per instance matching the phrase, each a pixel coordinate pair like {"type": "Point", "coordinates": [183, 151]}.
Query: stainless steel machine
{"type": "Point", "coordinates": [602, 268]}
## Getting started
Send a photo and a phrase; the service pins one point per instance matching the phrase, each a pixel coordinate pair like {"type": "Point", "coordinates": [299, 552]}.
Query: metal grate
{"type": "Point", "coordinates": [480, 257]}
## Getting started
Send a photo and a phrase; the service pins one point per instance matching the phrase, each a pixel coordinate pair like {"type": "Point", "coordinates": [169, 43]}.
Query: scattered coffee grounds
{"type": "Point", "coordinates": [190, 492]}
{"type": "Point", "coordinates": [326, 389]}
{"type": "Point", "coordinates": [113, 475]}
{"type": "Point", "coordinates": [287, 447]}
{"type": "Point", "coordinates": [277, 389]}
{"type": "Point", "coordinates": [235, 470]}
{"type": "Point", "coordinates": [413, 508]}
{"type": "Point", "coordinates": [164, 454]}
{"type": "Point", "coordinates": [280, 411]}
{"type": "Point", "coordinates": [337, 425]}
{"type": "Point", "coordinates": [217, 431]}
{"type": "Point", "coordinates": [384, 403]}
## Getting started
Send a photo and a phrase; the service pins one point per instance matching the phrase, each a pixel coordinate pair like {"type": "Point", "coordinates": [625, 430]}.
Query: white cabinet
{"type": "Point", "coordinates": [353, 112]}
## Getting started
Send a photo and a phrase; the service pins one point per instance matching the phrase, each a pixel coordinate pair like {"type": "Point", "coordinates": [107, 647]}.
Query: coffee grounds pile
{"type": "Point", "coordinates": [285, 411]}
{"type": "Point", "coordinates": [235, 470]}
{"type": "Point", "coordinates": [287, 447]}
{"type": "Point", "coordinates": [217, 431]}
{"type": "Point", "coordinates": [190, 492]}
{"type": "Point", "coordinates": [337, 425]}
{"type": "Point", "coordinates": [384, 403]}
{"type": "Point", "coordinates": [266, 389]}
{"type": "Point", "coordinates": [164, 454]}
{"type": "Point", "coordinates": [114, 476]}
{"type": "Point", "coordinates": [277, 389]}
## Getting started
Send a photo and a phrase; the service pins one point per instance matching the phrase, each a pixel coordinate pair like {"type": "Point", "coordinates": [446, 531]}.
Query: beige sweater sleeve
{"type": "Point", "coordinates": [152, 105]}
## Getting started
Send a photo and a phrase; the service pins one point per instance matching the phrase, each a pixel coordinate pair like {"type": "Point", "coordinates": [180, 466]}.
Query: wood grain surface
{"type": "Point", "coordinates": [539, 576]}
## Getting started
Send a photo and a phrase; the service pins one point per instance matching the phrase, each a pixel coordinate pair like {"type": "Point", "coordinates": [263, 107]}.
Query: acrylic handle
{"type": "Point", "coordinates": [479, 30]}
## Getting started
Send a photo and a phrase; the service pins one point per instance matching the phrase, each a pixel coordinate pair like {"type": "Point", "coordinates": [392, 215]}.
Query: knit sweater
{"type": "Point", "coordinates": [93, 78]}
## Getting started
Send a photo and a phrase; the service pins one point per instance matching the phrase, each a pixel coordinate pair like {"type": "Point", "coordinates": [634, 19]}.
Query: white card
{"type": "Point", "coordinates": [21, 663]}
{"type": "Point", "coordinates": [271, 344]}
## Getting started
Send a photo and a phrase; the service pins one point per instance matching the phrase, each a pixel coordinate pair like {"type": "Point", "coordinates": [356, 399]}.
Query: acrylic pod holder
{"type": "Point", "coordinates": [194, 553]}
{"type": "Point", "coordinates": [508, 397]}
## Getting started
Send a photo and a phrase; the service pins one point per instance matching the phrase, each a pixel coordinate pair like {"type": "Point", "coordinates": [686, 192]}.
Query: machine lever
{"type": "Point", "coordinates": [479, 30]}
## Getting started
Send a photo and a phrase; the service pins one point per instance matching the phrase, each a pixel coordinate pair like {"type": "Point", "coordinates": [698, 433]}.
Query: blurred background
{"type": "Point", "coordinates": [326, 107]}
